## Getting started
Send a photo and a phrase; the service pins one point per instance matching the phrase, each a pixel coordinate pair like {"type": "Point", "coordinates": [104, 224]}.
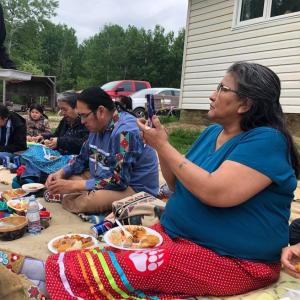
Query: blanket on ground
{"type": "Point", "coordinates": [64, 222]}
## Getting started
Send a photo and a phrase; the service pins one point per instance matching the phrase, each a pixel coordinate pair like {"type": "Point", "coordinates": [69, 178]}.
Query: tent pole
{"type": "Point", "coordinates": [4, 92]}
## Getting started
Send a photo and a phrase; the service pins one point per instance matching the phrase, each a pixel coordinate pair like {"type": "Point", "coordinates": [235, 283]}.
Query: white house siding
{"type": "Point", "coordinates": [212, 44]}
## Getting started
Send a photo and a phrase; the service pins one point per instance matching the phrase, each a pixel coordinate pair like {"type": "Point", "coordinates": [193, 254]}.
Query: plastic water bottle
{"type": "Point", "coordinates": [33, 216]}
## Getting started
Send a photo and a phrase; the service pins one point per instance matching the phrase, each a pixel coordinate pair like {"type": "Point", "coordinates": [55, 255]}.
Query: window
{"type": "Point", "coordinates": [140, 86]}
{"type": "Point", "coordinates": [282, 7]}
{"type": "Point", "coordinates": [126, 86]}
{"type": "Point", "coordinates": [252, 11]}
{"type": "Point", "coordinates": [177, 93]}
{"type": "Point", "coordinates": [166, 93]}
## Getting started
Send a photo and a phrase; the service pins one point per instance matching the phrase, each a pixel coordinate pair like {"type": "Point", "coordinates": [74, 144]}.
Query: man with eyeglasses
{"type": "Point", "coordinates": [118, 162]}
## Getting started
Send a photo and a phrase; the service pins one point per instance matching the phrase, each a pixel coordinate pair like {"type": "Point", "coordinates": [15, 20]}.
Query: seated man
{"type": "Point", "coordinates": [118, 161]}
{"type": "Point", "coordinates": [12, 133]}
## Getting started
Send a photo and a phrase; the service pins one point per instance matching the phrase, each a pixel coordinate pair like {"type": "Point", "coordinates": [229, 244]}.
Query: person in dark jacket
{"type": "Point", "coordinates": [5, 61]}
{"type": "Point", "coordinates": [70, 133]}
{"type": "Point", "coordinates": [67, 140]}
{"type": "Point", "coordinates": [12, 132]}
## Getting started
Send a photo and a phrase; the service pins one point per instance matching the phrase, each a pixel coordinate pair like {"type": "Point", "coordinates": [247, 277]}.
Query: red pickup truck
{"type": "Point", "coordinates": [124, 87]}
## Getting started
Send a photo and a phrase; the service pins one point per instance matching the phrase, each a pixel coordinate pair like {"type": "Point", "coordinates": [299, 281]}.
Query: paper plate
{"type": "Point", "coordinates": [32, 187]}
{"type": "Point", "coordinates": [54, 250]}
{"type": "Point", "coordinates": [107, 239]}
{"type": "Point", "coordinates": [13, 194]}
{"type": "Point", "coordinates": [12, 204]}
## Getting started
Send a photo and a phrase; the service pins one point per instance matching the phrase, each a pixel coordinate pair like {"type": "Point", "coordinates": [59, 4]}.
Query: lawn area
{"type": "Point", "coordinates": [183, 138]}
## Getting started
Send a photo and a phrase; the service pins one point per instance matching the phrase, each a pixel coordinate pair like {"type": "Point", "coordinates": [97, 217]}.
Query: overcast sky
{"type": "Point", "coordinates": [87, 17]}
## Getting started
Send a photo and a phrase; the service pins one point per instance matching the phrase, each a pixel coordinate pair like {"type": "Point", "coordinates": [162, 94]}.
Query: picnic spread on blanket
{"type": "Point", "coordinates": [65, 228]}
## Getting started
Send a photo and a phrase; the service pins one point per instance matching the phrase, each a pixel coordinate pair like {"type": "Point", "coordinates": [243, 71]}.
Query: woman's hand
{"type": "Point", "coordinates": [156, 137]}
{"type": "Point", "coordinates": [29, 138]}
{"type": "Point", "coordinates": [289, 257]}
{"type": "Point", "coordinates": [52, 143]}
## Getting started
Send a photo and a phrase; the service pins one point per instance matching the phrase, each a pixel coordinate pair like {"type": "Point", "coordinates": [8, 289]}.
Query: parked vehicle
{"type": "Point", "coordinates": [124, 87]}
{"type": "Point", "coordinates": [15, 106]}
{"type": "Point", "coordinates": [165, 98]}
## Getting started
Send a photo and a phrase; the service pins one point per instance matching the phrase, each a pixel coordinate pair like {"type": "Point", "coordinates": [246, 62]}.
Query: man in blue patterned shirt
{"type": "Point", "coordinates": [117, 161]}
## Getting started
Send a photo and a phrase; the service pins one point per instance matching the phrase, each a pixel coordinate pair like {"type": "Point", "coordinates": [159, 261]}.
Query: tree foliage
{"type": "Point", "coordinates": [113, 53]}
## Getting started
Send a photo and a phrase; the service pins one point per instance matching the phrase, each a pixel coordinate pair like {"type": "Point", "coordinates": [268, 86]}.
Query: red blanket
{"type": "Point", "coordinates": [176, 269]}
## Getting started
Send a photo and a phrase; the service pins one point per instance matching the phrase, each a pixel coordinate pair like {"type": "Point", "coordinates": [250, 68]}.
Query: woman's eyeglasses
{"type": "Point", "coordinates": [223, 88]}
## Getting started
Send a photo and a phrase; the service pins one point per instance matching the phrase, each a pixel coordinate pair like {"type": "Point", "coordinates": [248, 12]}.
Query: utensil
{"type": "Point", "coordinates": [47, 155]}
{"type": "Point", "coordinates": [125, 231]}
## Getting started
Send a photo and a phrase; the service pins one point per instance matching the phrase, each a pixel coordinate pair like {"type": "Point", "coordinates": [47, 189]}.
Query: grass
{"type": "Point", "coordinates": [183, 138]}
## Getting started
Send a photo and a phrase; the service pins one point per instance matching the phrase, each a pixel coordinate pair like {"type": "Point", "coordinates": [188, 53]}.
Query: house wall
{"type": "Point", "coordinates": [212, 44]}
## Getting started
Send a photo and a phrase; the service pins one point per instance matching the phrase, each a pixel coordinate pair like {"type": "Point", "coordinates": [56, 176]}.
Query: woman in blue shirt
{"type": "Point", "coordinates": [227, 220]}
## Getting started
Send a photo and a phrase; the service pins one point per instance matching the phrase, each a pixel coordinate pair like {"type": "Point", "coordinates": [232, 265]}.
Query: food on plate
{"type": "Point", "coordinates": [33, 187]}
{"type": "Point", "coordinates": [11, 194]}
{"type": "Point", "coordinates": [72, 242]}
{"type": "Point", "coordinates": [22, 205]}
{"type": "Point", "coordinates": [297, 267]}
{"type": "Point", "coordinates": [53, 157]}
{"type": "Point", "coordinates": [148, 241]}
{"type": "Point", "coordinates": [4, 182]}
{"type": "Point", "coordinates": [141, 238]}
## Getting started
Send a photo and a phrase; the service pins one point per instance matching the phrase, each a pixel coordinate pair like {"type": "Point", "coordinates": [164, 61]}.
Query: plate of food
{"type": "Point", "coordinates": [69, 242]}
{"type": "Point", "coordinates": [52, 157]}
{"type": "Point", "coordinates": [32, 187]}
{"type": "Point", "coordinates": [143, 238]}
{"type": "Point", "coordinates": [21, 205]}
{"type": "Point", "coordinates": [13, 194]}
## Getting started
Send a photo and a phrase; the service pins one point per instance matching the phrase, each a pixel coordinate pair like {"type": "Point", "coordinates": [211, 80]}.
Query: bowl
{"type": "Point", "coordinates": [32, 187]}
{"type": "Point", "coordinates": [12, 228]}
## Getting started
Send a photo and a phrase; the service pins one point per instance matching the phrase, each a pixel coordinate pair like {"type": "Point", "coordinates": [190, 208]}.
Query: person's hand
{"type": "Point", "coordinates": [54, 177]}
{"type": "Point", "coordinates": [289, 256]}
{"type": "Point", "coordinates": [37, 138]}
{"type": "Point", "coordinates": [29, 138]}
{"type": "Point", "coordinates": [65, 186]}
{"type": "Point", "coordinates": [156, 137]}
{"type": "Point", "coordinates": [52, 143]}
{"type": "Point", "coordinates": [62, 186]}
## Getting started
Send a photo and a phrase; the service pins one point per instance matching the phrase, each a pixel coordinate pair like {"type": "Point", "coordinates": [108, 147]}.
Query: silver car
{"type": "Point", "coordinates": [163, 97]}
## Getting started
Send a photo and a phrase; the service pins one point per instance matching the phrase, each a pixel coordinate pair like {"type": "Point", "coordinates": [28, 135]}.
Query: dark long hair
{"type": "Point", "coordinates": [261, 86]}
{"type": "Point", "coordinates": [93, 97]}
{"type": "Point", "coordinates": [39, 108]}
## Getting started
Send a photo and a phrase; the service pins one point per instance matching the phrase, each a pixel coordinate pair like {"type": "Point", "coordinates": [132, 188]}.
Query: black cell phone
{"type": "Point", "coordinates": [150, 109]}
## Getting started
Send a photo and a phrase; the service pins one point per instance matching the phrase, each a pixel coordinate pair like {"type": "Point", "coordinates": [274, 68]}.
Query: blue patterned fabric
{"type": "Point", "coordinates": [36, 157]}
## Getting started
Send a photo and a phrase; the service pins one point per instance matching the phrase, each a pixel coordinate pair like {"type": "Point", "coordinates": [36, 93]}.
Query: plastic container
{"type": "Point", "coordinates": [45, 219]}
{"type": "Point", "coordinates": [33, 216]}
{"type": "Point", "coordinates": [6, 161]}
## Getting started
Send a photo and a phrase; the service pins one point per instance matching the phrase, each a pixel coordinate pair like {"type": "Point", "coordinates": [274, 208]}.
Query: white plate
{"type": "Point", "coordinates": [32, 187]}
{"type": "Point", "coordinates": [14, 197]}
{"type": "Point", "coordinates": [52, 157]}
{"type": "Point", "coordinates": [53, 250]}
{"type": "Point", "coordinates": [107, 234]}
{"type": "Point", "coordinates": [10, 204]}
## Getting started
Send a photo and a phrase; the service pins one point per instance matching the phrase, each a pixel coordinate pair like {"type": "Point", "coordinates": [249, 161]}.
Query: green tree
{"type": "Point", "coordinates": [19, 12]}
{"type": "Point", "coordinates": [59, 54]}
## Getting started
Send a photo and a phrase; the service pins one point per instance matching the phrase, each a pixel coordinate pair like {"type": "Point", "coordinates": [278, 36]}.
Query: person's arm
{"type": "Point", "coordinates": [47, 129]}
{"type": "Point", "coordinates": [289, 257]}
{"type": "Point", "coordinates": [79, 163]}
{"type": "Point", "coordinates": [118, 177]}
{"type": "Point", "coordinates": [214, 189]}
{"type": "Point", "coordinates": [167, 173]}
{"type": "Point", "coordinates": [72, 144]}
